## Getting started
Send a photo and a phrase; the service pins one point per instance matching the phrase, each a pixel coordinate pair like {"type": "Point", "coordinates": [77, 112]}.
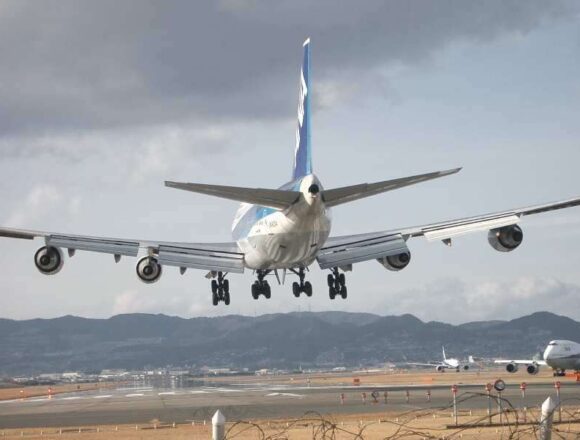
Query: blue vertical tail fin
{"type": "Point", "coordinates": [303, 152]}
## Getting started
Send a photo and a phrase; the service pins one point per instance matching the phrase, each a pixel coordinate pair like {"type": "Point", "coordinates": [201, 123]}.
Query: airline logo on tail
{"type": "Point", "coordinates": [302, 153]}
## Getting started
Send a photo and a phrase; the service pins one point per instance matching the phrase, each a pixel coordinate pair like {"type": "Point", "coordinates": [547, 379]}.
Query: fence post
{"type": "Point", "coordinates": [546, 419]}
{"type": "Point", "coordinates": [557, 385]}
{"type": "Point", "coordinates": [454, 391]}
{"type": "Point", "coordinates": [218, 422]}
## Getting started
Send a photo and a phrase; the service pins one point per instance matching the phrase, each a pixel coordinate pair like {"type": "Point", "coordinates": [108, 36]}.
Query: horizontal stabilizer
{"type": "Point", "coordinates": [338, 196]}
{"type": "Point", "coordinates": [271, 198]}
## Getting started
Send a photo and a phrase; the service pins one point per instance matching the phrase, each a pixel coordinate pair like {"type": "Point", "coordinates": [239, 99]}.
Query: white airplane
{"type": "Point", "coordinates": [447, 363]}
{"type": "Point", "coordinates": [276, 231]}
{"type": "Point", "coordinates": [560, 355]}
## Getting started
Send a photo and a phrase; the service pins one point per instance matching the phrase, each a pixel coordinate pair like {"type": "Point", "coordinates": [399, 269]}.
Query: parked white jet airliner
{"type": "Point", "coordinates": [560, 355]}
{"type": "Point", "coordinates": [447, 363]}
{"type": "Point", "coordinates": [287, 229]}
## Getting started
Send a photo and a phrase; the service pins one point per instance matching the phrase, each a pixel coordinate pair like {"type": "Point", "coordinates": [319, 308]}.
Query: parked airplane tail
{"type": "Point", "coordinates": [444, 357]}
{"type": "Point", "coordinates": [303, 151]}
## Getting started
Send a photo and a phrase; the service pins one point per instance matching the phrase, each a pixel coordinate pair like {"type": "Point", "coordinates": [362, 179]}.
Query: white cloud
{"type": "Point", "coordinates": [41, 199]}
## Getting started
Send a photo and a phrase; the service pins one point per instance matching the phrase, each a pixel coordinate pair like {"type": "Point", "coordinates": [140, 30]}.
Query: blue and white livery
{"type": "Point", "coordinates": [284, 231]}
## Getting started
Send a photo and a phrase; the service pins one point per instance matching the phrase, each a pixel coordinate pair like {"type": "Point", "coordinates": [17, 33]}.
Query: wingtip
{"type": "Point", "coordinates": [306, 42]}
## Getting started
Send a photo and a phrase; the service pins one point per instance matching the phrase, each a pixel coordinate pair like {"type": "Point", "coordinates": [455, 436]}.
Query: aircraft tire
{"type": "Point", "coordinates": [331, 292]}
{"type": "Point", "coordinates": [308, 288]}
{"type": "Point", "coordinates": [214, 299]}
{"type": "Point", "coordinates": [227, 298]}
{"type": "Point", "coordinates": [214, 286]}
{"type": "Point", "coordinates": [330, 280]}
{"type": "Point", "coordinates": [296, 289]}
{"type": "Point", "coordinates": [343, 292]}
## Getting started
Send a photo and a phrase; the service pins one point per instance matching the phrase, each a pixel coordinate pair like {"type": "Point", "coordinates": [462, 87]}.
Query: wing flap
{"type": "Point", "coordinates": [345, 255]}
{"type": "Point", "coordinates": [201, 259]}
{"type": "Point", "coordinates": [272, 198]}
{"type": "Point", "coordinates": [103, 245]}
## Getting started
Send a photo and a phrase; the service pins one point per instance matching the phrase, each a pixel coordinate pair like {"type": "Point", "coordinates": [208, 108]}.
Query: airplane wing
{"type": "Point", "coordinates": [225, 257]}
{"type": "Point", "coordinates": [520, 361]}
{"type": "Point", "coordinates": [343, 251]}
{"type": "Point", "coordinates": [419, 364]}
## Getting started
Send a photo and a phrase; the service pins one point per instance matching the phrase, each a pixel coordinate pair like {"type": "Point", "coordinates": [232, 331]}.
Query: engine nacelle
{"type": "Point", "coordinates": [148, 270]}
{"type": "Point", "coordinates": [512, 367]}
{"type": "Point", "coordinates": [48, 260]}
{"type": "Point", "coordinates": [396, 262]}
{"type": "Point", "coordinates": [505, 239]}
{"type": "Point", "coordinates": [440, 368]}
{"type": "Point", "coordinates": [533, 369]}
{"type": "Point", "coordinates": [465, 367]}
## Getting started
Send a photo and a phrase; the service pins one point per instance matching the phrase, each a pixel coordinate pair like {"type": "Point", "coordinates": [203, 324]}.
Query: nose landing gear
{"type": "Point", "coordinates": [220, 289]}
{"type": "Point", "coordinates": [261, 286]}
{"type": "Point", "coordinates": [302, 286]}
{"type": "Point", "coordinates": [336, 284]}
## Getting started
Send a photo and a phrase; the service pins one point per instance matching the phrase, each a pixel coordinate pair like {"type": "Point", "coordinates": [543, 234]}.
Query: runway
{"type": "Point", "coordinates": [256, 401]}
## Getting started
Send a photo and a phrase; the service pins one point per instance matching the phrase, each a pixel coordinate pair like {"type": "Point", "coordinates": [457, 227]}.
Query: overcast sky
{"type": "Point", "coordinates": [100, 102]}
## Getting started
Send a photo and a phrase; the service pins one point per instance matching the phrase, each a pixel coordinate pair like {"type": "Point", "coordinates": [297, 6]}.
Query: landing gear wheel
{"type": "Point", "coordinates": [220, 289]}
{"type": "Point", "coordinates": [331, 292]}
{"type": "Point", "coordinates": [343, 292]}
{"type": "Point", "coordinates": [296, 289]}
{"type": "Point", "coordinates": [330, 280]}
{"type": "Point", "coordinates": [342, 279]}
{"type": "Point", "coordinates": [267, 290]}
{"type": "Point", "coordinates": [308, 288]}
{"type": "Point", "coordinates": [255, 291]}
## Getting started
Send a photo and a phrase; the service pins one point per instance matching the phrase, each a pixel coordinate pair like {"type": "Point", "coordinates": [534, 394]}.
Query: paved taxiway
{"type": "Point", "coordinates": [142, 405]}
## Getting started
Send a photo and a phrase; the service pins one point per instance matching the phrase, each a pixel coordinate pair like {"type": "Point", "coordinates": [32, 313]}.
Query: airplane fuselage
{"type": "Point", "coordinates": [563, 355]}
{"type": "Point", "coordinates": [284, 239]}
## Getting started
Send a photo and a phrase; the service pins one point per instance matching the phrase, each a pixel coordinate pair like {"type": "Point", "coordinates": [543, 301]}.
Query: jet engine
{"type": "Point", "coordinates": [505, 239]}
{"type": "Point", "coordinates": [148, 270]}
{"type": "Point", "coordinates": [48, 260]}
{"type": "Point", "coordinates": [440, 368]}
{"type": "Point", "coordinates": [396, 262]}
{"type": "Point", "coordinates": [465, 367]}
{"type": "Point", "coordinates": [512, 367]}
{"type": "Point", "coordinates": [533, 369]}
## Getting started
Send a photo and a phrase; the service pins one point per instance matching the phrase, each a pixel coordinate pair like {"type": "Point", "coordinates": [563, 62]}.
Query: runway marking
{"type": "Point", "coordinates": [199, 392]}
{"type": "Point", "coordinates": [135, 395]}
{"type": "Point", "coordinates": [300, 396]}
{"type": "Point", "coordinates": [70, 398]}
{"type": "Point", "coordinates": [103, 397]}
{"type": "Point", "coordinates": [135, 389]}
{"type": "Point", "coordinates": [167, 393]}
{"type": "Point", "coordinates": [44, 399]}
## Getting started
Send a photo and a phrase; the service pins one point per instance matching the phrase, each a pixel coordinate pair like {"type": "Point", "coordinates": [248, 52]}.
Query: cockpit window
{"type": "Point", "coordinates": [553, 344]}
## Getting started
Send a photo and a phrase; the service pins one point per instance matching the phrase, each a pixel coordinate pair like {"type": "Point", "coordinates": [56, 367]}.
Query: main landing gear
{"type": "Point", "coordinates": [302, 287]}
{"type": "Point", "coordinates": [261, 286]}
{"type": "Point", "coordinates": [220, 289]}
{"type": "Point", "coordinates": [336, 284]}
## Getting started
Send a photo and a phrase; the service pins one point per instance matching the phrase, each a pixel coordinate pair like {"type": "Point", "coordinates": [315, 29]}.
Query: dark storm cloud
{"type": "Point", "coordinates": [70, 64]}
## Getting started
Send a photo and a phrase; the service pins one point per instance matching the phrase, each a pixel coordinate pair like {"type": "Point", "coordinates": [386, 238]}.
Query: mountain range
{"type": "Point", "coordinates": [285, 340]}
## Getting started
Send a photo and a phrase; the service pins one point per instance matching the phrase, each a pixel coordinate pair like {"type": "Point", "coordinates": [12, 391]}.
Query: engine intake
{"type": "Point", "coordinates": [512, 367]}
{"type": "Point", "coordinates": [505, 239]}
{"type": "Point", "coordinates": [48, 260]}
{"type": "Point", "coordinates": [533, 369]}
{"type": "Point", "coordinates": [396, 262]}
{"type": "Point", "coordinates": [148, 270]}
